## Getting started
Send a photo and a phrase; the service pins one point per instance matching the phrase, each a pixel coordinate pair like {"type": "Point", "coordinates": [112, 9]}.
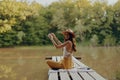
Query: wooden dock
{"type": "Point", "coordinates": [79, 72]}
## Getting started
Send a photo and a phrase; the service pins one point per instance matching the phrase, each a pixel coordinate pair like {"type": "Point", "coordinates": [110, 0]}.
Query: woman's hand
{"type": "Point", "coordinates": [53, 35]}
{"type": "Point", "coordinates": [50, 36]}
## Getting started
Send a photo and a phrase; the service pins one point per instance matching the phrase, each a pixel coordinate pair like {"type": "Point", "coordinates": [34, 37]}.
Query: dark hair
{"type": "Point", "coordinates": [73, 41]}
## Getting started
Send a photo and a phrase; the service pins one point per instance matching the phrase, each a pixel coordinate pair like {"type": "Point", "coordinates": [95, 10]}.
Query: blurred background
{"type": "Point", "coordinates": [24, 25]}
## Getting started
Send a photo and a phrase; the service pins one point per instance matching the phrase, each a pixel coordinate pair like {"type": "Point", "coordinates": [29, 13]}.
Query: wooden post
{"type": "Point", "coordinates": [50, 57]}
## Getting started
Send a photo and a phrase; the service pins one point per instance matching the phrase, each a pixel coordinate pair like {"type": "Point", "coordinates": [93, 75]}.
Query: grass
{"type": "Point", "coordinates": [28, 63]}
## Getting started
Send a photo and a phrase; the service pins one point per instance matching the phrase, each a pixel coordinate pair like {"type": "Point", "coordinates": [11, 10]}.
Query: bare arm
{"type": "Point", "coordinates": [60, 45]}
{"type": "Point", "coordinates": [52, 39]}
{"type": "Point", "coordinates": [56, 39]}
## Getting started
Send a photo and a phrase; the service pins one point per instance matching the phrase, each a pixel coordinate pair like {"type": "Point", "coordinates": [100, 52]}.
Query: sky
{"type": "Point", "coordinates": [47, 2]}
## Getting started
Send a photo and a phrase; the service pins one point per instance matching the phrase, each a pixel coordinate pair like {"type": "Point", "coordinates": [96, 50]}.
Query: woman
{"type": "Point", "coordinates": [68, 46]}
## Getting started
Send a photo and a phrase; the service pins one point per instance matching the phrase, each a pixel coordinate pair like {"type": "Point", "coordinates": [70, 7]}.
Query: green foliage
{"type": "Point", "coordinates": [109, 41]}
{"type": "Point", "coordinates": [9, 39]}
{"type": "Point", "coordinates": [12, 12]}
{"type": "Point", "coordinates": [29, 23]}
{"type": "Point", "coordinates": [35, 30]}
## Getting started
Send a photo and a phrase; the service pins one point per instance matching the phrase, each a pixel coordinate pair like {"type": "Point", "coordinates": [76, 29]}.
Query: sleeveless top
{"type": "Point", "coordinates": [65, 52]}
{"type": "Point", "coordinates": [67, 60]}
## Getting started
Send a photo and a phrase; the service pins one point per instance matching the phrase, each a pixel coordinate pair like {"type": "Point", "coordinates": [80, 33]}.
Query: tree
{"type": "Point", "coordinates": [12, 12]}
{"type": "Point", "coordinates": [116, 22]}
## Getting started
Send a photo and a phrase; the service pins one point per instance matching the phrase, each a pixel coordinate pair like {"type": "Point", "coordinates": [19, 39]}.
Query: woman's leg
{"type": "Point", "coordinates": [54, 65]}
{"type": "Point", "coordinates": [67, 62]}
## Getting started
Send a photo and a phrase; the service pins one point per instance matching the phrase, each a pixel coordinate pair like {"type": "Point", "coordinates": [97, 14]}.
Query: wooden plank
{"type": "Point", "coordinates": [86, 76]}
{"type": "Point", "coordinates": [96, 76]}
{"type": "Point", "coordinates": [81, 65]}
{"type": "Point", "coordinates": [75, 76]}
{"type": "Point", "coordinates": [79, 72]}
{"type": "Point", "coordinates": [78, 62]}
{"type": "Point", "coordinates": [50, 57]}
{"type": "Point", "coordinates": [76, 65]}
{"type": "Point", "coordinates": [54, 58]}
{"type": "Point", "coordinates": [85, 70]}
{"type": "Point", "coordinates": [64, 75]}
{"type": "Point", "coordinates": [58, 58]}
{"type": "Point", "coordinates": [53, 75]}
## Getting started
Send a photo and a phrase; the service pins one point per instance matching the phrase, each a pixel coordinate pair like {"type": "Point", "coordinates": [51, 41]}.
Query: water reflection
{"type": "Point", "coordinates": [7, 73]}
{"type": "Point", "coordinates": [21, 61]}
{"type": "Point", "coordinates": [104, 60]}
{"type": "Point", "coordinates": [29, 64]}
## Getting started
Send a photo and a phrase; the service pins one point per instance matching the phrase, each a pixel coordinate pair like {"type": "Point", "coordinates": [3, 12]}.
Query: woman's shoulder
{"type": "Point", "coordinates": [69, 42]}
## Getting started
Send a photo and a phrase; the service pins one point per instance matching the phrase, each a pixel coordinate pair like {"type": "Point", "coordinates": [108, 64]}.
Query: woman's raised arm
{"type": "Point", "coordinates": [56, 39]}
